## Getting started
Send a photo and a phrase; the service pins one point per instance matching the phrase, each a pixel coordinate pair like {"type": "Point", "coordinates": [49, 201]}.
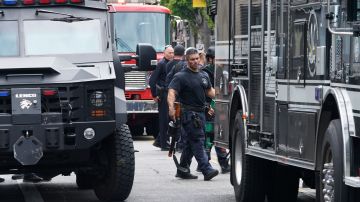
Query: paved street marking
{"type": "Point", "coordinates": [30, 192]}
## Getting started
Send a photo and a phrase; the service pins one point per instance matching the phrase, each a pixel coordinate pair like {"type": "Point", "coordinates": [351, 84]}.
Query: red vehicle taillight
{"type": "Point", "coordinates": [49, 92]}
{"type": "Point", "coordinates": [61, 1]}
{"type": "Point", "coordinates": [44, 1]}
{"type": "Point", "coordinates": [28, 2]}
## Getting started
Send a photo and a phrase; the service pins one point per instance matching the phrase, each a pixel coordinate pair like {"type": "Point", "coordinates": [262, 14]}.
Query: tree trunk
{"type": "Point", "coordinates": [204, 32]}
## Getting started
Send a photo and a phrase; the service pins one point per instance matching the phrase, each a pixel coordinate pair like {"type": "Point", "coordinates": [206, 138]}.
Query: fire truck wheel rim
{"type": "Point", "coordinates": [327, 177]}
{"type": "Point", "coordinates": [238, 158]}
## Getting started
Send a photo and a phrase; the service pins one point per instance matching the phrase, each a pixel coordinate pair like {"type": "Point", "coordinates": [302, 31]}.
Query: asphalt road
{"type": "Point", "coordinates": [154, 181]}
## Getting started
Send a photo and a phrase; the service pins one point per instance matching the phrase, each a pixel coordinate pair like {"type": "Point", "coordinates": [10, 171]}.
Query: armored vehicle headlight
{"type": "Point", "coordinates": [97, 98]}
{"type": "Point", "coordinates": [4, 93]}
{"type": "Point", "coordinates": [89, 133]}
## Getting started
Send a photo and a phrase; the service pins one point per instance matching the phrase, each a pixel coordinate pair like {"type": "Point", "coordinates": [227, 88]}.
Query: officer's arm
{"type": "Point", "coordinates": [153, 79]}
{"type": "Point", "coordinates": [210, 93]}
{"type": "Point", "coordinates": [171, 99]}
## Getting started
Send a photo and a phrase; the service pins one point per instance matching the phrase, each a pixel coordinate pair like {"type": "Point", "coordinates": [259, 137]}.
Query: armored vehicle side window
{"type": "Point", "coordinates": [9, 38]}
{"type": "Point", "coordinates": [45, 37]}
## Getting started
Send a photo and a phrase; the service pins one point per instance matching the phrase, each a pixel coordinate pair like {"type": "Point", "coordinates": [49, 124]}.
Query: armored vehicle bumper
{"type": "Point", "coordinates": [54, 124]}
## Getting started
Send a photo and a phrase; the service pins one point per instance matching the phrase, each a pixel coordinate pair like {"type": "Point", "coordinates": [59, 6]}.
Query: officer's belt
{"type": "Point", "coordinates": [192, 108]}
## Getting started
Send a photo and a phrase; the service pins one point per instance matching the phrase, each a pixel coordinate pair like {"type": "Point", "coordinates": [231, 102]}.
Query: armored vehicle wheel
{"type": "Point", "coordinates": [247, 172]}
{"type": "Point", "coordinates": [116, 180]}
{"type": "Point", "coordinates": [84, 180]}
{"type": "Point", "coordinates": [332, 187]}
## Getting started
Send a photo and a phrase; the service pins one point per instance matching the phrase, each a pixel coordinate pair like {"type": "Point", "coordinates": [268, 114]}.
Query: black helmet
{"type": "Point", "coordinates": [179, 50]}
{"type": "Point", "coordinates": [211, 52]}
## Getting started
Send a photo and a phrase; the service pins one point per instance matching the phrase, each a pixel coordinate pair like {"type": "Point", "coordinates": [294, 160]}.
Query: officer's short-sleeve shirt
{"type": "Point", "coordinates": [191, 87]}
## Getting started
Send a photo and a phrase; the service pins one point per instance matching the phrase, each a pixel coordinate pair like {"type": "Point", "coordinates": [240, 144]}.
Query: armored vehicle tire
{"type": "Point", "coordinates": [247, 172]}
{"type": "Point", "coordinates": [84, 180]}
{"type": "Point", "coordinates": [283, 183]}
{"type": "Point", "coordinates": [117, 179]}
{"type": "Point", "coordinates": [331, 165]}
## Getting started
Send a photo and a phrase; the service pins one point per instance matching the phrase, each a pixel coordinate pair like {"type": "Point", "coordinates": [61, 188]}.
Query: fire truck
{"type": "Point", "coordinates": [136, 21]}
{"type": "Point", "coordinates": [62, 102]}
{"type": "Point", "coordinates": [287, 81]}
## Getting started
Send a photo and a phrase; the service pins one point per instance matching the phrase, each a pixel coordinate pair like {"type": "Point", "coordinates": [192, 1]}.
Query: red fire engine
{"type": "Point", "coordinates": [135, 21]}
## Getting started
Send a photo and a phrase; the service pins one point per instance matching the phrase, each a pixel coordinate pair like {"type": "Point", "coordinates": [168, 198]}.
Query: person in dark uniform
{"type": "Point", "coordinates": [209, 131]}
{"type": "Point", "coordinates": [158, 88]}
{"type": "Point", "coordinates": [192, 85]}
{"type": "Point", "coordinates": [179, 51]}
{"type": "Point", "coordinates": [172, 68]}
{"type": "Point", "coordinates": [180, 65]}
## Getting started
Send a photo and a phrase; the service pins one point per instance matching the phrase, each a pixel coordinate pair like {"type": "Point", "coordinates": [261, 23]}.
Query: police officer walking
{"type": "Point", "coordinates": [158, 91]}
{"type": "Point", "coordinates": [192, 85]}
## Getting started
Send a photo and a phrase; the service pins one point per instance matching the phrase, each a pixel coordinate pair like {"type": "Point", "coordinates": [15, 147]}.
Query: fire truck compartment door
{"type": "Point", "coordinates": [221, 124]}
{"type": "Point", "coordinates": [301, 135]}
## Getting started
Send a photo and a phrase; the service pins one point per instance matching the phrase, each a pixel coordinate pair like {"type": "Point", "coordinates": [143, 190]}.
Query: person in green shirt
{"type": "Point", "coordinates": [222, 154]}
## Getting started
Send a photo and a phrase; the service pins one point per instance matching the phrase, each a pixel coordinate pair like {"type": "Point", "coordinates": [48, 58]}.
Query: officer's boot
{"type": "Point", "coordinates": [224, 164]}
{"type": "Point", "coordinates": [185, 175]}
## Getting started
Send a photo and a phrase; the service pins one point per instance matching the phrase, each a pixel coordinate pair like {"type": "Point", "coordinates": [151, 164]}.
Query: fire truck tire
{"type": "Point", "coordinates": [84, 180]}
{"type": "Point", "coordinates": [331, 165]}
{"type": "Point", "coordinates": [117, 180]}
{"type": "Point", "coordinates": [247, 172]}
{"type": "Point", "coordinates": [283, 183]}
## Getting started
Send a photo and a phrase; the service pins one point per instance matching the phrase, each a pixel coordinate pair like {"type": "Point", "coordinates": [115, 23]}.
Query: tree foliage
{"type": "Point", "coordinates": [184, 9]}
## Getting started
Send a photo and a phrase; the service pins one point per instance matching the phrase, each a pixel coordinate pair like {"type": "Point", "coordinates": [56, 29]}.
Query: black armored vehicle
{"type": "Point", "coordinates": [62, 103]}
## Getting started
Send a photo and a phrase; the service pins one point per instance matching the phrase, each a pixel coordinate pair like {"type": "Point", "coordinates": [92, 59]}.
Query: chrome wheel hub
{"type": "Point", "coordinates": [238, 159]}
{"type": "Point", "coordinates": [328, 182]}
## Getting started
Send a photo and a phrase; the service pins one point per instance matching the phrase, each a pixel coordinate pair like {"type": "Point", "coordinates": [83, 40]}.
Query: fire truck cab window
{"type": "Point", "coordinates": [45, 37]}
{"type": "Point", "coordinates": [134, 28]}
{"type": "Point", "coordinates": [9, 38]}
{"type": "Point", "coordinates": [297, 49]}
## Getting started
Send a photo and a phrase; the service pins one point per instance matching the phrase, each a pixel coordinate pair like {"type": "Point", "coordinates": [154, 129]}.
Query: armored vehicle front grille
{"type": "Point", "coordinates": [5, 104]}
{"type": "Point", "coordinates": [65, 99]}
{"type": "Point", "coordinates": [135, 80]}
{"type": "Point", "coordinates": [50, 104]}
{"type": "Point", "coordinates": [71, 99]}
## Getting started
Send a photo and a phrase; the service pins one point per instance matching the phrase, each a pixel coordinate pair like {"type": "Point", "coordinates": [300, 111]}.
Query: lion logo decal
{"type": "Point", "coordinates": [25, 104]}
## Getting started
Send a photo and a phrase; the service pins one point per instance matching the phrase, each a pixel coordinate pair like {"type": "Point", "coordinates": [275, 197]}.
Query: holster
{"type": "Point", "coordinates": [160, 90]}
{"type": "Point", "coordinates": [196, 120]}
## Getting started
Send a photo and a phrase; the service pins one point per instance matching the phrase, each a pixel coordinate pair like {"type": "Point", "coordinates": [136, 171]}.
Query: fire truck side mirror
{"type": "Point", "coordinates": [146, 57]}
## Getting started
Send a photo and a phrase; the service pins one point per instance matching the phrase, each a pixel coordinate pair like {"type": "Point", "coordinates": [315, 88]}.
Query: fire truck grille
{"type": "Point", "coordinates": [135, 80]}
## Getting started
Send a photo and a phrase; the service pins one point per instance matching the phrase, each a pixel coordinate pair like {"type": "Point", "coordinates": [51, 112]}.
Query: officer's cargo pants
{"type": "Point", "coordinates": [193, 141]}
